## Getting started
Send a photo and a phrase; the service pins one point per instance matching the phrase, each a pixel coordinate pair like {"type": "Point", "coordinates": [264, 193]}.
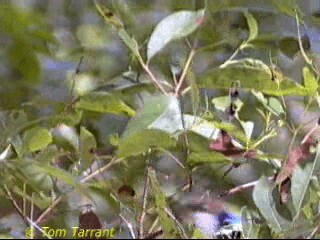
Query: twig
{"type": "Point", "coordinates": [307, 136]}
{"type": "Point", "coordinates": [183, 233]}
{"type": "Point", "coordinates": [27, 220]}
{"type": "Point", "coordinates": [48, 210]}
{"type": "Point", "coordinates": [173, 157]}
{"type": "Point", "coordinates": [313, 233]}
{"type": "Point", "coordinates": [154, 224]}
{"type": "Point", "coordinates": [100, 170]}
{"type": "Point", "coordinates": [129, 225]}
{"type": "Point", "coordinates": [306, 58]}
{"type": "Point", "coordinates": [144, 203]}
{"type": "Point", "coordinates": [152, 77]}
{"type": "Point", "coordinates": [15, 204]}
{"type": "Point", "coordinates": [154, 234]}
{"type": "Point", "coordinates": [87, 178]}
{"type": "Point", "coordinates": [241, 188]}
{"type": "Point", "coordinates": [184, 72]}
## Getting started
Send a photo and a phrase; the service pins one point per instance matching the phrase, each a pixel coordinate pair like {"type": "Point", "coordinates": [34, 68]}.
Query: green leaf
{"type": "Point", "coordinates": [36, 138]}
{"type": "Point", "coordinates": [140, 142]}
{"type": "Point", "coordinates": [36, 178]}
{"type": "Point", "coordinates": [110, 18]}
{"type": "Point", "coordinates": [87, 143]}
{"type": "Point", "coordinates": [247, 127]}
{"type": "Point", "coordinates": [130, 42]}
{"type": "Point", "coordinates": [286, 6]}
{"type": "Point", "coordinates": [301, 179]}
{"type": "Point", "coordinates": [252, 74]}
{"type": "Point", "coordinates": [253, 26]}
{"type": "Point", "coordinates": [194, 92]}
{"type": "Point", "coordinates": [168, 225]}
{"type": "Point", "coordinates": [310, 82]}
{"type": "Point", "coordinates": [222, 103]}
{"type": "Point", "coordinates": [63, 176]}
{"type": "Point", "coordinates": [201, 126]}
{"type": "Point", "coordinates": [197, 234]}
{"type": "Point", "coordinates": [196, 158]}
{"type": "Point", "coordinates": [262, 196]}
{"type": "Point", "coordinates": [104, 103]}
{"type": "Point", "coordinates": [25, 61]}
{"type": "Point", "coordinates": [175, 26]}
{"type": "Point", "coordinates": [249, 229]}
{"type": "Point", "coordinates": [159, 112]}
{"type": "Point", "coordinates": [39, 200]}
{"type": "Point", "coordinates": [272, 104]}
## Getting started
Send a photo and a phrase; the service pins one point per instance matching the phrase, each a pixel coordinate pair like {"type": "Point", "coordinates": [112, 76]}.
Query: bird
{"type": "Point", "coordinates": [209, 216]}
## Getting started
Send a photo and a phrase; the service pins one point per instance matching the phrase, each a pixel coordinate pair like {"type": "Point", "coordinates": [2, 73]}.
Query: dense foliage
{"type": "Point", "coordinates": [113, 111]}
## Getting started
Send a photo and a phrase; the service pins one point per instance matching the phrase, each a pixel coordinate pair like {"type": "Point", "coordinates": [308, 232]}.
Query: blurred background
{"type": "Point", "coordinates": [42, 43]}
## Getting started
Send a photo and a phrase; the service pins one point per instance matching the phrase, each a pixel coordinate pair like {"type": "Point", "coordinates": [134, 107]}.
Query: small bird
{"type": "Point", "coordinates": [209, 216]}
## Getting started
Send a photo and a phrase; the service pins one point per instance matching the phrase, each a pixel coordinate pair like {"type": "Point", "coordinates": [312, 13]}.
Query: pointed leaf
{"type": "Point", "coordinates": [196, 158]}
{"type": "Point", "coordinates": [173, 27]}
{"type": "Point", "coordinates": [140, 142]}
{"type": "Point", "coordinates": [87, 144]}
{"type": "Point", "coordinates": [104, 103]}
{"type": "Point", "coordinates": [300, 181]}
{"type": "Point", "coordinates": [253, 26]}
{"type": "Point", "coordinates": [262, 196]}
{"type": "Point", "coordinates": [159, 112]}
{"type": "Point", "coordinates": [252, 74]}
{"type": "Point", "coordinates": [272, 104]}
{"type": "Point", "coordinates": [310, 82]}
{"type": "Point", "coordinates": [249, 229]}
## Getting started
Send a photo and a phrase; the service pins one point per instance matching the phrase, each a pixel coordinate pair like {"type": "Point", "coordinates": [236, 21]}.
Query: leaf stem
{"type": "Point", "coordinates": [184, 72]}
{"type": "Point", "coordinates": [152, 77]}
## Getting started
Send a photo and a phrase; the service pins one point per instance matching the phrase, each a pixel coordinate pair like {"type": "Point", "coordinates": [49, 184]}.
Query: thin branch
{"type": "Point", "coordinates": [241, 188]}
{"type": "Point", "coordinates": [144, 203]}
{"type": "Point", "coordinates": [185, 70]}
{"type": "Point", "coordinates": [15, 204]}
{"type": "Point", "coordinates": [87, 178]}
{"type": "Point", "coordinates": [154, 224]}
{"type": "Point", "coordinates": [27, 220]}
{"type": "Point", "coordinates": [155, 234]}
{"type": "Point", "coordinates": [48, 210]}
{"type": "Point", "coordinates": [306, 58]}
{"type": "Point", "coordinates": [100, 170]}
{"type": "Point", "coordinates": [183, 233]}
{"type": "Point", "coordinates": [312, 130]}
{"type": "Point", "coordinates": [173, 157]}
{"type": "Point", "coordinates": [129, 225]}
{"type": "Point", "coordinates": [152, 77]}
{"type": "Point", "coordinates": [313, 233]}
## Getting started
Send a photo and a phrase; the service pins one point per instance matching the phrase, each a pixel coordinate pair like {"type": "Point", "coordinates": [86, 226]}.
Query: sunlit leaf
{"type": "Point", "coordinates": [36, 139]}
{"type": "Point", "coordinates": [272, 104]}
{"type": "Point", "coordinates": [173, 27]}
{"type": "Point", "coordinates": [159, 112]}
{"type": "Point", "coordinates": [253, 26]}
{"type": "Point", "coordinates": [196, 158]}
{"type": "Point", "coordinates": [310, 82]}
{"type": "Point", "coordinates": [104, 103]}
